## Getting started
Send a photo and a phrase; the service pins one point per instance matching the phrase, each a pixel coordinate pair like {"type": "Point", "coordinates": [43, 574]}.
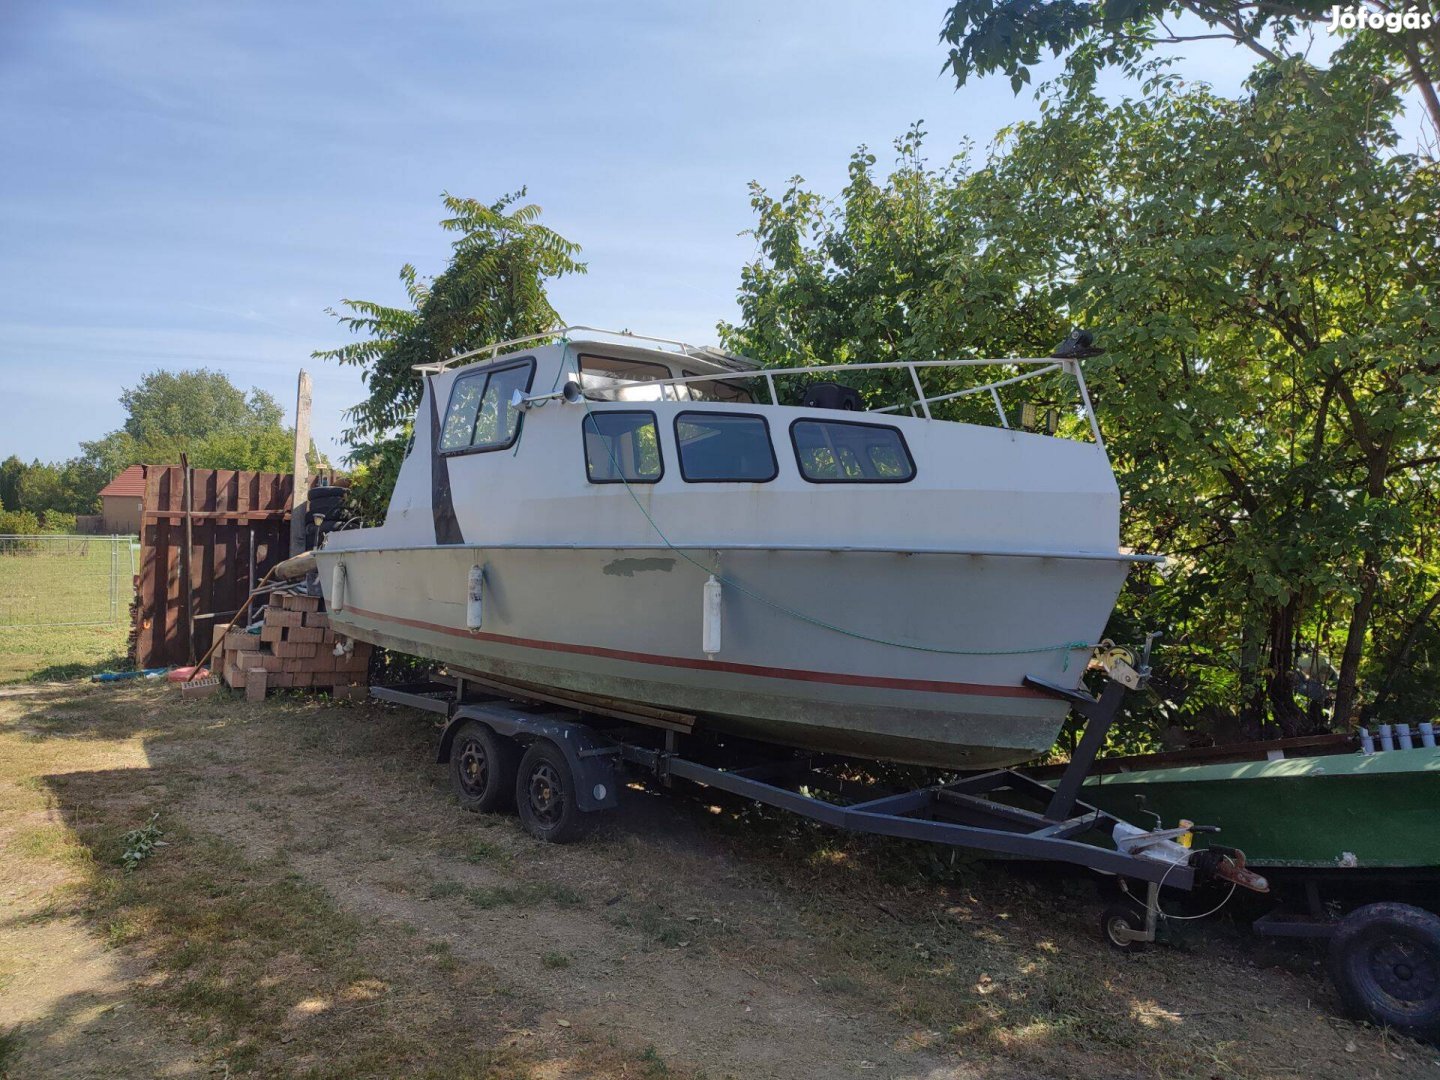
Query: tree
{"type": "Point", "coordinates": [1263, 273]}
{"type": "Point", "coordinates": [1010, 36]}
{"type": "Point", "coordinates": [199, 413]}
{"type": "Point", "coordinates": [12, 469]}
{"type": "Point", "coordinates": [193, 405]}
{"type": "Point", "coordinates": [492, 290]}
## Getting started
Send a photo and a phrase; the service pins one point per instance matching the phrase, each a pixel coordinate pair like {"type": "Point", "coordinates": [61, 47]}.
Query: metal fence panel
{"type": "Point", "coordinates": [60, 580]}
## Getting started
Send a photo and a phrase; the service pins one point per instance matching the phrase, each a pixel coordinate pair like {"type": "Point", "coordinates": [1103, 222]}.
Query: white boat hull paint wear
{"type": "Point", "coordinates": [890, 620]}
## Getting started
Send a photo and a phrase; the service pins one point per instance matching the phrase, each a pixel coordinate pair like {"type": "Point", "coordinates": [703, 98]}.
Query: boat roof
{"type": "Point", "coordinates": [701, 356]}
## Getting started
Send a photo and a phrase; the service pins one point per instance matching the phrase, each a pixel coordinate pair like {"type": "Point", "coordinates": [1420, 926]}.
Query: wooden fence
{"type": "Point", "coordinates": [203, 544]}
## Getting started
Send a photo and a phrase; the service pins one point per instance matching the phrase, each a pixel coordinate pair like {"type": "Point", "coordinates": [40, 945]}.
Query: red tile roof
{"type": "Point", "coordinates": [130, 483]}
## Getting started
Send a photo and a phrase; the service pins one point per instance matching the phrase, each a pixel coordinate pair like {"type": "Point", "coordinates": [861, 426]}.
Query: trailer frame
{"type": "Point", "coordinates": [984, 812]}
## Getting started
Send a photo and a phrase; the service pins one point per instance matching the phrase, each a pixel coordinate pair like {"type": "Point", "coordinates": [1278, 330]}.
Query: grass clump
{"type": "Point", "coordinates": [141, 843]}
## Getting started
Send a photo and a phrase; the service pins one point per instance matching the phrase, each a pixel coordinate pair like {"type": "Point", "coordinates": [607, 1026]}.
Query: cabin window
{"type": "Point", "coordinates": [480, 416]}
{"type": "Point", "coordinates": [718, 390]}
{"type": "Point", "coordinates": [622, 446]}
{"type": "Point", "coordinates": [841, 451]}
{"type": "Point", "coordinates": [600, 374]}
{"type": "Point", "coordinates": [722, 446]}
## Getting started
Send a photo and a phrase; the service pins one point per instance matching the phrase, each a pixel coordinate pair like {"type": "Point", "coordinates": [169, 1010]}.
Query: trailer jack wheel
{"type": "Point", "coordinates": [482, 769]}
{"type": "Point", "coordinates": [1122, 925]}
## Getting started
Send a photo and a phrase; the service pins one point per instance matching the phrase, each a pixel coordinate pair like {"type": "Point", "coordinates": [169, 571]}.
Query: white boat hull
{"type": "Point", "coordinates": [931, 671]}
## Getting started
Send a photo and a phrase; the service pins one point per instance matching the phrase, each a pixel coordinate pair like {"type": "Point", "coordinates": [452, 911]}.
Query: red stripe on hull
{"type": "Point", "coordinates": [929, 686]}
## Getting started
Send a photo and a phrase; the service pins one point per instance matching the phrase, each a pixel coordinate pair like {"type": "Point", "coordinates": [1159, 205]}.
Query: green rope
{"type": "Point", "coordinates": [1067, 647]}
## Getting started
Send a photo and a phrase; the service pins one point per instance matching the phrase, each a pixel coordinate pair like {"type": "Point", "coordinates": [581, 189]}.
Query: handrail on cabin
{"type": "Point", "coordinates": [1044, 366]}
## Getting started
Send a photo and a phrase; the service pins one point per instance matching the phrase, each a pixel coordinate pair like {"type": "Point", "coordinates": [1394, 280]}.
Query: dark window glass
{"type": "Point", "coordinates": [480, 416]}
{"type": "Point", "coordinates": [830, 450]}
{"type": "Point", "coordinates": [600, 374]}
{"type": "Point", "coordinates": [719, 390]}
{"type": "Point", "coordinates": [724, 446]}
{"type": "Point", "coordinates": [622, 446]}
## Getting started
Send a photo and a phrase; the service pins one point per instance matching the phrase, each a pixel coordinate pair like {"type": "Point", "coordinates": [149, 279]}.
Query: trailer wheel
{"type": "Point", "coordinates": [1124, 915]}
{"type": "Point", "coordinates": [1385, 962]}
{"type": "Point", "coordinates": [545, 796]}
{"type": "Point", "coordinates": [482, 769]}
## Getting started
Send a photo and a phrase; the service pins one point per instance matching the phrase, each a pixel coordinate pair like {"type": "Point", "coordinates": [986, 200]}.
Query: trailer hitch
{"type": "Point", "coordinates": [1227, 864]}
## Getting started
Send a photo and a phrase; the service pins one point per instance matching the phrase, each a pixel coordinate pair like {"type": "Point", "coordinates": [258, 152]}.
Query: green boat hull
{"type": "Point", "coordinates": [1377, 811]}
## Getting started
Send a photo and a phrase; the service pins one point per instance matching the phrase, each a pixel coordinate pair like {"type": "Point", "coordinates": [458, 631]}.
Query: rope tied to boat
{"type": "Point", "coordinates": [1065, 647]}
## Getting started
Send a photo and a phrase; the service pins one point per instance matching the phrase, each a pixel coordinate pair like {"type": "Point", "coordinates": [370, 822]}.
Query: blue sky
{"type": "Point", "coordinates": [193, 184]}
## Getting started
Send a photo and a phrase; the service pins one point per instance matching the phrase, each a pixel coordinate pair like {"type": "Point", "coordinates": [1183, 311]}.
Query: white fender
{"type": "Point", "coordinates": [337, 587]}
{"type": "Point", "coordinates": [710, 628]}
{"type": "Point", "coordinates": [475, 598]}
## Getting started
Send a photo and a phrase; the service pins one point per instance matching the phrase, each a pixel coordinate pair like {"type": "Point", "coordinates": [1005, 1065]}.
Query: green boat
{"type": "Point", "coordinates": [1338, 811]}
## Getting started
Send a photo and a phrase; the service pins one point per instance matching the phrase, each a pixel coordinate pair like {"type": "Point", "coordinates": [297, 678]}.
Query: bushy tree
{"type": "Point", "coordinates": [492, 290]}
{"type": "Point", "coordinates": [199, 413]}
{"type": "Point", "coordinates": [1263, 273]}
{"type": "Point", "coordinates": [1010, 36]}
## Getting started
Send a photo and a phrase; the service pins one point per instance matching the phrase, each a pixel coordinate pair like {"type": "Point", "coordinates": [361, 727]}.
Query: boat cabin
{"type": "Point", "coordinates": [667, 443]}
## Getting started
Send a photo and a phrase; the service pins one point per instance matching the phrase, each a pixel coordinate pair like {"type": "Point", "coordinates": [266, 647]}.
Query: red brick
{"type": "Point", "coordinates": [295, 602]}
{"type": "Point", "coordinates": [289, 649]}
{"type": "Point", "coordinates": [284, 618]}
{"type": "Point", "coordinates": [317, 618]}
{"type": "Point", "coordinates": [256, 682]}
{"type": "Point", "coordinates": [302, 678]}
{"type": "Point", "coordinates": [312, 634]}
{"type": "Point", "coordinates": [282, 679]}
{"type": "Point", "coordinates": [240, 641]}
{"type": "Point", "coordinates": [272, 632]}
{"type": "Point", "coordinates": [268, 662]}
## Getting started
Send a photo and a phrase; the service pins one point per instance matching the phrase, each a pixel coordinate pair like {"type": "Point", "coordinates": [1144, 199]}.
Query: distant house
{"type": "Point", "coordinates": [120, 502]}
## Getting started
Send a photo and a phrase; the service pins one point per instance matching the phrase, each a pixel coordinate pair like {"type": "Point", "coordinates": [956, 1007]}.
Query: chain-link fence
{"type": "Point", "coordinates": [66, 580]}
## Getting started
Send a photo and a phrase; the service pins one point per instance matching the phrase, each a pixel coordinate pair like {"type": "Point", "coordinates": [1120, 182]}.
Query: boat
{"type": "Point", "coordinates": [623, 519]}
{"type": "Point", "coordinates": [1314, 803]}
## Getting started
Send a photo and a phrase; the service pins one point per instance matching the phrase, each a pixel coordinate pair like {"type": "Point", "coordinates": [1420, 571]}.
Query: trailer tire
{"type": "Point", "coordinates": [482, 769]}
{"type": "Point", "coordinates": [1126, 915]}
{"type": "Point", "coordinates": [545, 796]}
{"type": "Point", "coordinates": [1385, 963]}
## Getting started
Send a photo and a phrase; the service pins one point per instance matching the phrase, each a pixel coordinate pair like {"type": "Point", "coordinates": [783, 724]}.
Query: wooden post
{"type": "Point", "coordinates": [187, 591]}
{"type": "Point", "coordinates": [299, 498]}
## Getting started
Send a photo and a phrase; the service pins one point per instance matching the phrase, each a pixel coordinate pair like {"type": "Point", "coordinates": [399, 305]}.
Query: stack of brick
{"type": "Point", "coordinates": [296, 647]}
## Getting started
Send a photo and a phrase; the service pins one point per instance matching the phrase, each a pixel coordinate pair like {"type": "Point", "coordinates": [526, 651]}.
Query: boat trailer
{"type": "Point", "coordinates": [561, 759]}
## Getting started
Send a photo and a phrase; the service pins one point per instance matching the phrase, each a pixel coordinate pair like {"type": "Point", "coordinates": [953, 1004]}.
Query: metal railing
{"type": "Point", "coordinates": [743, 367]}
{"type": "Point", "coordinates": [701, 352]}
{"type": "Point", "coordinates": [66, 580]}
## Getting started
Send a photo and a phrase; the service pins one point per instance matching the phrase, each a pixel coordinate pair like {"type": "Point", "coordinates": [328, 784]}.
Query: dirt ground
{"type": "Point", "coordinates": [318, 906]}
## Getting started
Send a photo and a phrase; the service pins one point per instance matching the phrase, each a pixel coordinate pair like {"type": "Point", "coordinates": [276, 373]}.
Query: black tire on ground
{"type": "Point", "coordinates": [1385, 963]}
{"type": "Point", "coordinates": [321, 493]}
{"type": "Point", "coordinates": [1127, 915]}
{"type": "Point", "coordinates": [482, 768]}
{"type": "Point", "coordinates": [545, 796]}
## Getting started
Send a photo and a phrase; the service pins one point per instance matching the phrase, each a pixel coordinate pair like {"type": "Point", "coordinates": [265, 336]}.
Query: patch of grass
{"type": "Point", "coordinates": [660, 924]}
{"type": "Point", "coordinates": [653, 1063]}
{"type": "Point", "coordinates": [555, 961]}
{"type": "Point", "coordinates": [9, 1051]}
{"type": "Point", "coordinates": [445, 890]}
{"type": "Point", "coordinates": [479, 850]}
{"type": "Point", "coordinates": [61, 653]}
{"type": "Point", "coordinates": [141, 843]}
{"type": "Point", "coordinates": [522, 894]}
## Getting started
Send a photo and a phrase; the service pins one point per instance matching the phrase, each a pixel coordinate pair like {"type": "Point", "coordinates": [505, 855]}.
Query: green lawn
{"type": "Point", "coordinates": [50, 653]}
{"type": "Point", "coordinates": [64, 607]}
